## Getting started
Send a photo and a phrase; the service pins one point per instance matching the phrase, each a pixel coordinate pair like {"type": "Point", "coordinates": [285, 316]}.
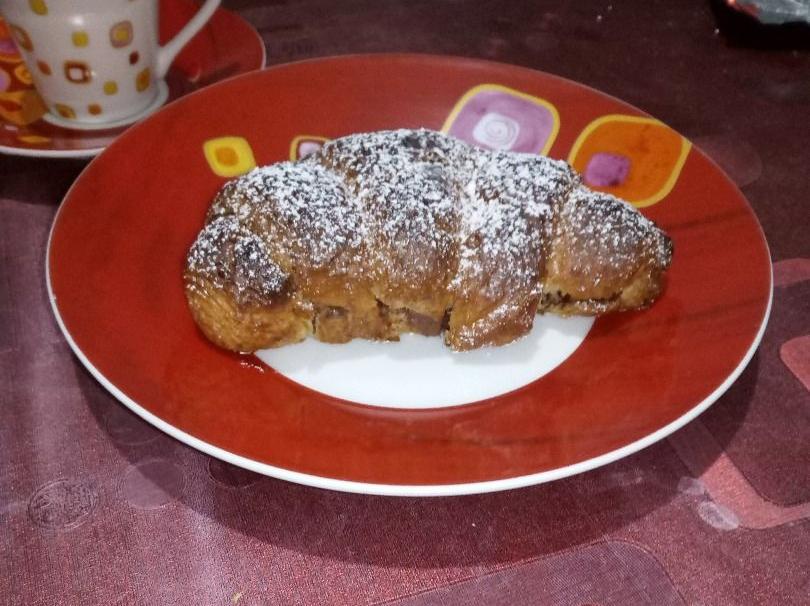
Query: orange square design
{"type": "Point", "coordinates": [652, 153]}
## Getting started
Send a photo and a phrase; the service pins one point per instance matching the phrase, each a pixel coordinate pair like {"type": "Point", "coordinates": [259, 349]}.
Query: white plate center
{"type": "Point", "coordinates": [421, 372]}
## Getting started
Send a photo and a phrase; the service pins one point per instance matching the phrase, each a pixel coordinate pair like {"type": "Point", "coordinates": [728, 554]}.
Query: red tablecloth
{"type": "Point", "coordinates": [97, 507]}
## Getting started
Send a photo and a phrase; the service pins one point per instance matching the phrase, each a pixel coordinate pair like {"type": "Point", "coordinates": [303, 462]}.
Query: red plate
{"type": "Point", "coordinates": [118, 244]}
{"type": "Point", "coordinates": [227, 45]}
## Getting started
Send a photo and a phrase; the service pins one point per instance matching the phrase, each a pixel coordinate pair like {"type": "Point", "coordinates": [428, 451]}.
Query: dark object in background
{"type": "Point", "coordinates": [761, 24]}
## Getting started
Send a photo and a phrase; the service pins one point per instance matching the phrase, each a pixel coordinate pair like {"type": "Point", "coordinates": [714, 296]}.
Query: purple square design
{"type": "Point", "coordinates": [496, 119]}
{"type": "Point", "coordinates": [307, 147]}
{"type": "Point", "coordinates": [605, 169]}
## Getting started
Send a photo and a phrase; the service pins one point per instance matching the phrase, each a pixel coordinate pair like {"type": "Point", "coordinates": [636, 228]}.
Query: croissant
{"type": "Point", "coordinates": [389, 232]}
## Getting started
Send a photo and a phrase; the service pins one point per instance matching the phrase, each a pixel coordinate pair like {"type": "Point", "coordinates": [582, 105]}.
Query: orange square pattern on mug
{"type": "Point", "coordinates": [78, 72]}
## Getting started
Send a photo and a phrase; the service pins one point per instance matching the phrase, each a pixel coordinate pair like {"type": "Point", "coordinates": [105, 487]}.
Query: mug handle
{"type": "Point", "coordinates": [168, 51]}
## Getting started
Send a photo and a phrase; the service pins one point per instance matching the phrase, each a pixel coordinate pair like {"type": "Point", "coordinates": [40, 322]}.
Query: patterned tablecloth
{"type": "Point", "coordinates": [96, 507]}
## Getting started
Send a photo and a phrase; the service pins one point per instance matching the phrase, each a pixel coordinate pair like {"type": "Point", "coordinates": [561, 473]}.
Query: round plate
{"type": "Point", "coordinates": [226, 46]}
{"type": "Point", "coordinates": [118, 243]}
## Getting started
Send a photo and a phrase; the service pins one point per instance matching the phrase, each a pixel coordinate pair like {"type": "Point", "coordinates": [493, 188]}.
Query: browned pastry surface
{"type": "Point", "coordinates": [412, 231]}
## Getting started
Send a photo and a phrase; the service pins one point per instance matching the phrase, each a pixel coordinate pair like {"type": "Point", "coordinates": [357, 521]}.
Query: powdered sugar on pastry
{"type": "Point", "coordinates": [414, 224]}
{"type": "Point", "coordinates": [505, 211]}
{"type": "Point", "coordinates": [234, 258]}
{"type": "Point", "coordinates": [406, 187]}
{"type": "Point", "coordinates": [302, 209]}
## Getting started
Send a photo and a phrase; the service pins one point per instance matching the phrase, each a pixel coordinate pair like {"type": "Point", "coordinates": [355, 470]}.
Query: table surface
{"type": "Point", "coordinates": [98, 507]}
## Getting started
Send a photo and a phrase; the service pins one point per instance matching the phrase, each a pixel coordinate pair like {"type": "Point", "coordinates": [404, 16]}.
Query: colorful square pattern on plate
{"type": "Point", "coordinates": [632, 157]}
{"type": "Point", "coordinates": [497, 117]}
{"type": "Point", "coordinates": [21, 106]}
{"type": "Point", "coordinates": [304, 145]}
{"type": "Point", "coordinates": [229, 156]}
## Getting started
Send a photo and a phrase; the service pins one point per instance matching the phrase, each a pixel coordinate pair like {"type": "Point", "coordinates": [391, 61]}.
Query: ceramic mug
{"type": "Point", "coordinates": [97, 63]}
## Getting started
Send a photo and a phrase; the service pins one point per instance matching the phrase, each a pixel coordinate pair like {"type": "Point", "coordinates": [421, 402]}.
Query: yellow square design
{"type": "Point", "coordinates": [80, 39]}
{"type": "Point", "coordinates": [65, 111]}
{"type": "Point", "coordinates": [229, 156]}
{"type": "Point", "coordinates": [142, 80]}
{"type": "Point", "coordinates": [38, 6]}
